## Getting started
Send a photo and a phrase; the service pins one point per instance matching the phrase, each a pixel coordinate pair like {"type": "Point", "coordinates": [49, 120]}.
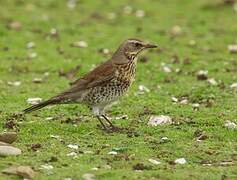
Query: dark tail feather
{"type": "Point", "coordinates": [40, 105]}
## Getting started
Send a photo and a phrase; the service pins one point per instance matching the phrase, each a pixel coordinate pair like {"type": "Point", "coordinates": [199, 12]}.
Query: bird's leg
{"type": "Point", "coordinates": [101, 122]}
{"type": "Point", "coordinates": [110, 123]}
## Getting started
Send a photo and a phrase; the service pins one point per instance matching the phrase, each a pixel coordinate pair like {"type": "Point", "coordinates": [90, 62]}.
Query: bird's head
{"type": "Point", "coordinates": [130, 48]}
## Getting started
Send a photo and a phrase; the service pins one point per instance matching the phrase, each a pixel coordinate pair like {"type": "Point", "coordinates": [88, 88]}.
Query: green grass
{"type": "Point", "coordinates": [210, 23]}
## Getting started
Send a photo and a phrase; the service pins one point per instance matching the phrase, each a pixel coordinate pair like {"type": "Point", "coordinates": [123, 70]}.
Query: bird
{"type": "Point", "coordinates": [105, 84]}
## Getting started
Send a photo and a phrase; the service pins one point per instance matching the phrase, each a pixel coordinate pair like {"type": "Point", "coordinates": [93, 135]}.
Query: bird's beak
{"type": "Point", "coordinates": [150, 45]}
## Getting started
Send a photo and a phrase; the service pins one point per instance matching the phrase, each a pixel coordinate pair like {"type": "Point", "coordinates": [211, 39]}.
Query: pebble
{"type": "Point", "coordinates": [230, 125]}
{"type": "Point", "coordinates": [202, 75]}
{"type": "Point", "coordinates": [88, 176]}
{"type": "Point", "coordinates": [158, 120]}
{"type": "Point", "coordinates": [34, 101]}
{"type": "Point", "coordinates": [180, 161]}
{"type": "Point", "coordinates": [212, 81]}
{"type": "Point", "coordinates": [233, 86]}
{"type": "Point", "coordinates": [176, 30]}
{"type": "Point", "coordinates": [14, 83]}
{"type": "Point", "coordinates": [9, 151]}
{"type": "Point", "coordinates": [153, 161]}
{"type": "Point", "coordinates": [46, 167]}
{"type": "Point", "coordinates": [80, 44]}
{"type": "Point", "coordinates": [140, 13]}
{"type": "Point", "coordinates": [232, 48]}
{"type": "Point", "coordinates": [8, 137]}
{"type": "Point", "coordinates": [72, 146]}
{"type": "Point", "coordinates": [112, 153]}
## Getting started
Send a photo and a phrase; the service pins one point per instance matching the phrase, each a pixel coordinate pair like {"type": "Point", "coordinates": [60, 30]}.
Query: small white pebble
{"type": "Point", "coordinates": [232, 48]}
{"type": "Point", "coordinates": [55, 136]}
{"type": "Point", "coordinates": [14, 83]}
{"type": "Point", "coordinates": [72, 154]}
{"type": "Point", "coordinates": [46, 74]}
{"type": "Point", "coordinates": [37, 80]}
{"type": "Point", "coordinates": [88, 152]}
{"type": "Point", "coordinates": [153, 161]}
{"type": "Point", "coordinates": [140, 13]}
{"type": "Point", "coordinates": [195, 105]}
{"type": "Point", "coordinates": [165, 138]}
{"type": "Point", "coordinates": [49, 118]}
{"type": "Point", "coordinates": [32, 55]}
{"type": "Point", "coordinates": [72, 146]}
{"type": "Point", "coordinates": [71, 4]}
{"type": "Point", "coordinates": [88, 176]}
{"type": "Point", "coordinates": [235, 7]}
{"type": "Point", "coordinates": [112, 153]}
{"type": "Point", "coordinates": [105, 51]}
{"type": "Point", "coordinates": [176, 30]}
{"type": "Point", "coordinates": [180, 161]}
{"type": "Point", "coordinates": [192, 43]}
{"type": "Point", "coordinates": [167, 69]}
{"type": "Point", "coordinates": [46, 167]}
{"type": "Point", "coordinates": [202, 72]}
{"type": "Point", "coordinates": [143, 88]}
{"type": "Point", "coordinates": [111, 15]}
{"type": "Point", "coordinates": [158, 120]}
{"type": "Point", "coordinates": [127, 10]}
{"type": "Point", "coordinates": [233, 86]}
{"type": "Point", "coordinates": [184, 101]}
{"type": "Point", "coordinates": [230, 125]}
{"type": "Point", "coordinates": [30, 45]}
{"type": "Point", "coordinates": [94, 169]}
{"type": "Point", "coordinates": [212, 81]}
{"type": "Point", "coordinates": [80, 44]}
{"type": "Point", "coordinates": [53, 31]}
{"type": "Point", "coordinates": [122, 117]}
{"type": "Point", "coordinates": [107, 166]}
{"type": "Point", "coordinates": [174, 99]}
{"type": "Point", "coordinates": [34, 101]}
{"type": "Point", "coordinates": [67, 178]}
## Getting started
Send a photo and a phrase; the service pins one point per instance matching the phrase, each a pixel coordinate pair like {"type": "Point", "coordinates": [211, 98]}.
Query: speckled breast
{"type": "Point", "coordinates": [115, 88]}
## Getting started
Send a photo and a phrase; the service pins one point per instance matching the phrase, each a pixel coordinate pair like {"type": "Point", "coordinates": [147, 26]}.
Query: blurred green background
{"type": "Point", "coordinates": [47, 39]}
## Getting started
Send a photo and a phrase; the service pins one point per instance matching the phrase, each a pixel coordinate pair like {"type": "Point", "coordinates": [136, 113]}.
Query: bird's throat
{"type": "Point", "coordinates": [130, 56]}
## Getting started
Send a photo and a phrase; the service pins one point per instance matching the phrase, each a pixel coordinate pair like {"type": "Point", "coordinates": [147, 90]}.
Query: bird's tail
{"type": "Point", "coordinates": [41, 105]}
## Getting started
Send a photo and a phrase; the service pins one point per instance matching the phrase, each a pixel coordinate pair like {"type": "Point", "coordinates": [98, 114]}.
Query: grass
{"type": "Point", "coordinates": [211, 24]}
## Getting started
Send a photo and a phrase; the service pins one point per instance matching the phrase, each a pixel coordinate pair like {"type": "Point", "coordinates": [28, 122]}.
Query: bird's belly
{"type": "Point", "coordinates": [106, 94]}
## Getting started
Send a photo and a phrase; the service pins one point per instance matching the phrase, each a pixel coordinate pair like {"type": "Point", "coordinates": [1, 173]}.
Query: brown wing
{"type": "Point", "coordinates": [97, 77]}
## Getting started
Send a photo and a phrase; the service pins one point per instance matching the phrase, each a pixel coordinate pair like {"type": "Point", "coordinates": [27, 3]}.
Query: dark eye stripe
{"type": "Point", "coordinates": [137, 44]}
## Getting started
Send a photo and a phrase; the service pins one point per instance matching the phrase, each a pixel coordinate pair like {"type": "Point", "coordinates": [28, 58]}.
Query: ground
{"type": "Point", "coordinates": [191, 35]}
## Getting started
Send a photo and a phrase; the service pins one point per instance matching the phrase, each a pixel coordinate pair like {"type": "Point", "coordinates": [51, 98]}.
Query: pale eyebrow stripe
{"type": "Point", "coordinates": [134, 41]}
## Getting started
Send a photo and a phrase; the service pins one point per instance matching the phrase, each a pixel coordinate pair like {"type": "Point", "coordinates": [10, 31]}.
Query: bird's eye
{"type": "Point", "coordinates": [137, 44]}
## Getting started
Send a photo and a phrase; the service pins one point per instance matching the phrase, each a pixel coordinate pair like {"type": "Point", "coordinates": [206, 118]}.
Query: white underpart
{"type": "Point", "coordinates": [97, 110]}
